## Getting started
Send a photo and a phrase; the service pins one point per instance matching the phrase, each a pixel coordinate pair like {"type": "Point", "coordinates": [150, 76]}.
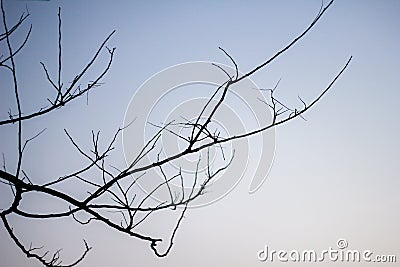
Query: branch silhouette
{"type": "Point", "coordinates": [114, 190]}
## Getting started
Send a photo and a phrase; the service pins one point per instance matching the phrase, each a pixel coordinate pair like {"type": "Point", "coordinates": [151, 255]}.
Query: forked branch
{"type": "Point", "coordinates": [111, 189]}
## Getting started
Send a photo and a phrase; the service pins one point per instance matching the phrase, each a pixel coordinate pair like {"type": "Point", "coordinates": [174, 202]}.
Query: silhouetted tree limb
{"type": "Point", "coordinates": [113, 191]}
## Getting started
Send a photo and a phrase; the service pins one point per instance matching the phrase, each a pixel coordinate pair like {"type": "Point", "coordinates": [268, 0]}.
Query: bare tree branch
{"type": "Point", "coordinates": [111, 189]}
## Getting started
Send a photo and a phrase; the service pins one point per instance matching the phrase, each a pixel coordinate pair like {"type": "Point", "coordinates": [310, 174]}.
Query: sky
{"type": "Point", "coordinates": [333, 176]}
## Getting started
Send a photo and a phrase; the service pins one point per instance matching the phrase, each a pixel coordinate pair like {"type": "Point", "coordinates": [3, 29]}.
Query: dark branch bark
{"type": "Point", "coordinates": [112, 184]}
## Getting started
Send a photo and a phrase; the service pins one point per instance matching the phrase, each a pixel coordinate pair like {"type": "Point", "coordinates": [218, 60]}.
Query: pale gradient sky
{"type": "Point", "coordinates": [334, 176]}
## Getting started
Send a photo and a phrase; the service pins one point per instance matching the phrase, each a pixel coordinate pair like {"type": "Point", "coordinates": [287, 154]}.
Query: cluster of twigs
{"type": "Point", "coordinates": [113, 190]}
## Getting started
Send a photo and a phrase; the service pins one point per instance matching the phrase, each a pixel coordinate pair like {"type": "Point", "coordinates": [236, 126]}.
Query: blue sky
{"type": "Point", "coordinates": [334, 175]}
